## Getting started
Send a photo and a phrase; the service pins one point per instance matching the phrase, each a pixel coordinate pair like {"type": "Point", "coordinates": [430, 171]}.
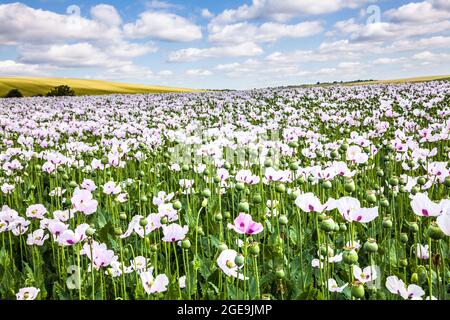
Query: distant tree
{"type": "Point", "coordinates": [61, 91]}
{"type": "Point", "coordinates": [14, 93]}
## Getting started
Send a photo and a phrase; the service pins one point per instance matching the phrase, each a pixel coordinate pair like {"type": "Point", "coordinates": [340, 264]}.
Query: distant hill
{"type": "Point", "coordinates": [40, 86]}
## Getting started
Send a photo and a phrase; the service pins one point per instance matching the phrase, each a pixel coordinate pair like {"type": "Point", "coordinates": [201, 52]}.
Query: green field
{"type": "Point", "coordinates": [405, 80]}
{"type": "Point", "coordinates": [36, 86]}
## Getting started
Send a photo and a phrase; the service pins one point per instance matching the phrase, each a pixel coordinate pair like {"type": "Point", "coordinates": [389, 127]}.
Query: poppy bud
{"type": "Point", "coordinates": [404, 238]}
{"type": "Point", "coordinates": [186, 244]}
{"type": "Point", "coordinates": [371, 246]}
{"type": "Point", "coordinates": [293, 166]}
{"type": "Point", "coordinates": [143, 222]}
{"type": "Point", "coordinates": [403, 263]}
{"type": "Point", "coordinates": [350, 257]}
{"type": "Point", "coordinates": [218, 216]}
{"type": "Point", "coordinates": [413, 227]}
{"type": "Point", "coordinates": [301, 180]}
{"type": "Point", "coordinates": [123, 216]}
{"type": "Point", "coordinates": [240, 186]}
{"type": "Point", "coordinates": [200, 231]}
{"type": "Point", "coordinates": [387, 223]}
{"type": "Point", "coordinates": [384, 203]}
{"type": "Point", "coordinates": [280, 188]}
{"type": "Point", "coordinates": [393, 181]}
{"type": "Point", "coordinates": [204, 203]}
{"type": "Point", "coordinates": [342, 227]}
{"type": "Point", "coordinates": [257, 198]}
{"type": "Point", "coordinates": [164, 220]}
{"type": "Point", "coordinates": [177, 205]}
{"type": "Point", "coordinates": [358, 291]}
{"type": "Point", "coordinates": [344, 147]}
{"type": "Point", "coordinates": [65, 177]}
{"type": "Point", "coordinates": [227, 165]}
{"type": "Point", "coordinates": [185, 167]}
{"type": "Point", "coordinates": [154, 247]}
{"type": "Point", "coordinates": [206, 193]}
{"type": "Point", "coordinates": [415, 278]}
{"type": "Point", "coordinates": [73, 184]}
{"type": "Point", "coordinates": [326, 185]}
{"type": "Point", "coordinates": [371, 197]}
{"type": "Point", "coordinates": [447, 181]}
{"type": "Point", "coordinates": [280, 274]}
{"type": "Point", "coordinates": [243, 207]}
{"type": "Point", "coordinates": [254, 249]}
{"type": "Point", "coordinates": [283, 220]}
{"type": "Point", "coordinates": [227, 215]}
{"type": "Point", "coordinates": [239, 260]}
{"type": "Point", "coordinates": [349, 186]}
{"type": "Point", "coordinates": [415, 190]}
{"type": "Point", "coordinates": [268, 163]}
{"type": "Point", "coordinates": [90, 232]}
{"type": "Point", "coordinates": [327, 224]}
{"type": "Point", "coordinates": [434, 232]}
{"type": "Point", "coordinates": [334, 154]}
{"type": "Point", "coordinates": [421, 181]}
{"type": "Point", "coordinates": [380, 173]}
{"type": "Point", "coordinates": [144, 198]}
{"type": "Point", "coordinates": [422, 274]}
{"type": "Point", "coordinates": [117, 231]}
{"type": "Point", "coordinates": [104, 160]}
{"type": "Point", "coordinates": [311, 179]}
{"type": "Point", "coordinates": [326, 251]}
{"type": "Point", "coordinates": [222, 247]}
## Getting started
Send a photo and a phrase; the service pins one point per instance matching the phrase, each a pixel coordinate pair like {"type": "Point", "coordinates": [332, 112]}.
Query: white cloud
{"type": "Point", "coordinates": [198, 72]}
{"type": "Point", "coordinates": [165, 73]}
{"type": "Point", "coordinates": [267, 32]}
{"type": "Point", "coordinates": [164, 26]}
{"type": "Point", "coordinates": [12, 68]}
{"type": "Point", "coordinates": [106, 14]}
{"type": "Point", "coordinates": [283, 10]}
{"type": "Point", "coordinates": [207, 14]}
{"type": "Point", "coordinates": [20, 24]}
{"type": "Point", "coordinates": [248, 49]}
{"type": "Point", "coordinates": [299, 57]}
{"type": "Point", "coordinates": [386, 61]}
{"type": "Point", "coordinates": [420, 12]}
{"type": "Point", "coordinates": [156, 4]}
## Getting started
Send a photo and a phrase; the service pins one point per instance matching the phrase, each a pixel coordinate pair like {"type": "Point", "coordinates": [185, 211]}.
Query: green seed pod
{"type": "Point", "coordinates": [222, 247]}
{"type": "Point", "coordinates": [371, 197]}
{"type": "Point", "coordinates": [380, 173]}
{"type": "Point", "coordinates": [257, 199]}
{"type": "Point", "coordinates": [293, 166]}
{"type": "Point", "coordinates": [186, 244]}
{"type": "Point", "coordinates": [327, 224]}
{"type": "Point", "coordinates": [349, 186]}
{"type": "Point", "coordinates": [200, 231]}
{"type": "Point", "coordinates": [422, 274]}
{"type": "Point", "coordinates": [254, 249]}
{"type": "Point", "coordinates": [117, 231]}
{"type": "Point", "coordinates": [206, 193]}
{"type": "Point", "coordinates": [434, 232]}
{"type": "Point", "coordinates": [227, 165]}
{"type": "Point", "coordinates": [403, 263]}
{"type": "Point", "coordinates": [283, 220]}
{"type": "Point", "coordinates": [358, 291]}
{"type": "Point", "coordinates": [177, 205]}
{"type": "Point", "coordinates": [344, 147]}
{"type": "Point", "coordinates": [104, 160]}
{"type": "Point", "coordinates": [239, 260]}
{"type": "Point", "coordinates": [415, 190]}
{"type": "Point", "coordinates": [404, 238]}
{"type": "Point", "coordinates": [268, 163]}
{"type": "Point", "coordinates": [239, 186]}
{"type": "Point", "coordinates": [280, 188]}
{"type": "Point", "coordinates": [143, 222]}
{"type": "Point", "coordinates": [447, 181]}
{"type": "Point", "coordinates": [73, 184]}
{"type": "Point", "coordinates": [185, 167]}
{"type": "Point", "coordinates": [387, 223]}
{"type": "Point", "coordinates": [65, 177]}
{"type": "Point", "coordinates": [243, 207]}
{"type": "Point", "coordinates": [227, 215]}
{"type": "Point", "coordinates": [421, 181]}
{"type": "Point", "coordinates": [280, 274]}
{"type": "Point", "coordinates": [154, 247]}
{"type": "Point", "coordinates": [218, 217]}
{"type": "Point", "coordinates": [326, 251]}
{"type": "Point", "coordinates": [342, 227]}
{"type": "Point", "coordinates": [384, 203]}
{"type": "Point", "coordinates": [326, 185]}
{"type": "Point", "coordinates": [350, 257]}
{"type": "Point", "coordinates": [204, 202]}
{"type": "Point", "coordinates": [371, 246]}
{"type": "Point", "coordinates": [123, 216]}
{"type": "Point", "coordinates": [393, 181]}
{"type": "Point", "coordinates": [413, 227]}
{"type": "Point", "coordinates": [334, 154]}
{"type": "Point", "coordinates": [90, 232]}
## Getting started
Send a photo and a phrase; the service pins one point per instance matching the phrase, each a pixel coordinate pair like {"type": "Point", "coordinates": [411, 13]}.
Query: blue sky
{"type": "Point", "coordinates": [225, 44]}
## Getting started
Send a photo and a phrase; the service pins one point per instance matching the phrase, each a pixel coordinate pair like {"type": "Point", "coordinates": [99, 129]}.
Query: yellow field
{"type": "Point", "coordinates": [35, 86]}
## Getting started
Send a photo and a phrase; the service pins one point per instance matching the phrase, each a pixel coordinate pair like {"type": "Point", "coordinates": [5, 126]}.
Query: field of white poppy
{"type": "Point", "coordinates": [318, 193]}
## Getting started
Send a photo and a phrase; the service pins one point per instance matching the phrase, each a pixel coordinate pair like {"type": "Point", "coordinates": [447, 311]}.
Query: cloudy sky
{"type": "Point", "coordinates": [225, 44]}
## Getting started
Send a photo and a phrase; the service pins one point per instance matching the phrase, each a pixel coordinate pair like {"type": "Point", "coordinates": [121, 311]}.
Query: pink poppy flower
{"type": "Point", "coordinates": [28, 293]}
{"type": "Point", "coordinates": [82, 201]}
{"type": "Point", "coordinates": [174, 232]}
{"type": "Point", "coordinates": [244, 224]}
{"type": "Point", "coordinates": [154, 285]}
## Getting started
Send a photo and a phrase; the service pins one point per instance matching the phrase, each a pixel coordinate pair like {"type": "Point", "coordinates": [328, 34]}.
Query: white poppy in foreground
{"type": "Point", "coordinates": [174, 232]}
{"type": "Point", "coordinates": [443, 222]}
{"type": "Point", "coordinates": [424, 207]}
{"type": "Point", "coordinates": [28, 293]}
{"type": "Point", "coordinates": [153, 285]}
{"type": "Point", "coordinates": [398, 287]}
{"type": "Point", "coordinates": [308, 202]}
{"type": "Point", "coordinates": [225, 261]}
{"type": "Point", "coordinates": [333, 286]}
